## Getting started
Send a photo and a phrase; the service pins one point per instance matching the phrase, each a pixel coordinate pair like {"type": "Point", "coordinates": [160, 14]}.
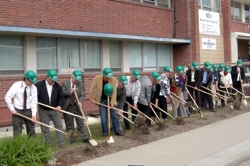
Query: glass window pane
{"type": "Point", "coordinates": [247, 13]}
{"type": "Point", "coordinates": [149, 55]}
{"type": "Point", "coordinates": [206, 3]}
{"type": "Point", "coordinates": [11, 52]}
{"type": "Point", "coordinates": [70, 53]}
{"type": "Point", "coordinates": [91, 57]}
{"type": "Point", "coordinates": [232, 10]}
{"type": "Point", "coordinates": [135, 55]}
{"type": "Point", "coordinates": [115, 54]}
{"type": "Point", "coordinates": [218, 4]}
{"type": "Point", "coordinates": [237, 14]}
{"type": "Point", "coordinates": [163, 53]}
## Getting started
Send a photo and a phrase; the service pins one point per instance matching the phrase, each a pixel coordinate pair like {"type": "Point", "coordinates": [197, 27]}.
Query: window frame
{"type": "Point", "coordinates": [233, 16]}
{"type": "Point", "coordinates": [248, 21]}
{"type": "Point", "coordinates": [213, 7]}
{"type": "Point", "coordinates": [116, 69]}
{"type": "Point", "coordinates": [155, 3]}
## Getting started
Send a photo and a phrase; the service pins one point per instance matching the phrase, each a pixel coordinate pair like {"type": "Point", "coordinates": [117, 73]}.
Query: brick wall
{"type": "Point", "coordinates": [106, 16]}
{"type": "Point", "coordinates": [237, 26]}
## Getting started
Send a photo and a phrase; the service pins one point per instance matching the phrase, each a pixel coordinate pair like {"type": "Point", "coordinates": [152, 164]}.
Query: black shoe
{"type": "Point", "coordinates": [72, 141]}
{"type": "Point", "coordinates": [86, 140]}
{"type": "Point", "coordinates": [119, 134]}
{"type": "Point", "coordinates": [213, 110]}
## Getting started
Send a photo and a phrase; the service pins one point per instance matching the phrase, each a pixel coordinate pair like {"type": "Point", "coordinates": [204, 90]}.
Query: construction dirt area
{"type": "Point", "coordinates": [141, 134]}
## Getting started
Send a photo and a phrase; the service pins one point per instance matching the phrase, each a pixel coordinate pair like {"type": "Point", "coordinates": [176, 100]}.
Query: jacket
{"type": "Point", "coordinates": [97, 87]}
{"type": "Point", "coordinates": [234, 74]}
{"type": "Point", "coordinates": [146, 87]}
{"type": "Point", "coordinates": [66, 86]}
{"type": "Point", "coordinates": [120, 97]}
{"type": "Point", "coordinates": [197, 78]}
{"type": "Point", "coordinates": [57, 97]}
{"type": "Point", "coordinates": [134, 89]}
{"type": "Point", "coordinates": [209, 77]}
{"type": "Point", "coordinates": [226, 79]}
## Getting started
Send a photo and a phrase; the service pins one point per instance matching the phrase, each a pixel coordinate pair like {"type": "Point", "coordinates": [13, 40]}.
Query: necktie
{"type": "Point", "coordinates": [24, 99]}
{"type": "Point", "coordinates": [72, 97]}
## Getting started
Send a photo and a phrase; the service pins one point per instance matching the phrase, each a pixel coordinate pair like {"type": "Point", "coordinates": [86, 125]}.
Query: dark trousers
{"type": "Point", "coordinates": [156, 110]}
{"type": "Point", "coordinates": [69, 119]}
{"type": "Point", "coordinates": [223, 94]}
{"type": "Point", "coordinates": [125, 108]}
{"type": "Point", "coordinates": [162, 103]}
{"type": "Point", "coordinates": [17, 122]}
{"type": "Point", "coordinates": [206, 99]}
{"type": "Point", "coordinates": [237, 86]}
{"type": "Point", "coordinates": [197, 97]}
{"type": "Point", "coordinates": [146, 110]}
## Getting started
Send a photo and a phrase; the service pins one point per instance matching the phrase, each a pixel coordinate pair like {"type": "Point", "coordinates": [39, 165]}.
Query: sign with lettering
{"type": "Point", "coordinates": [208, 43]}
{"type": "Point", "coordinates": [209, 23]}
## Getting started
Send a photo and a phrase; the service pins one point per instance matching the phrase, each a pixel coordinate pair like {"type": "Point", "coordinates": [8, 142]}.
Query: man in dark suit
{"type": "Point", "coordinates": [206, 81]}
{"type": "Point", "coordinates": [238, 75]}
{"type": "Point", "coordinates": [70, 87]}
{"type": "Point", "coordinates": [51, 93]}
{"type": "Point", "coordinates": [194, 80]}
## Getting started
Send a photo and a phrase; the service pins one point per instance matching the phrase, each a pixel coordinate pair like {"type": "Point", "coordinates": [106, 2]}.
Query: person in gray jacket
{"type": "Point", "coordinates": [70, 87]}
{"type": "Point", "coordinates": [145, 95]}
{"type": "Point", "coordinates": [133, 89]}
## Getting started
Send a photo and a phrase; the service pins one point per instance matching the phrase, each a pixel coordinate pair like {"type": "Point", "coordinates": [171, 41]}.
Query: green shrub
{"type": "Point", "coordinates": [24, 150]}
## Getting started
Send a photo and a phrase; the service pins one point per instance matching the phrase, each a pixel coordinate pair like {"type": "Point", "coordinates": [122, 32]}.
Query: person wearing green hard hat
{"type": "Point", "coordinates": [207, 82]}
{"type": "Point", "coordinates": [176, 88]}
{"type": "Point", "coordinates": [70, 87]}
{"type": "Point", "coordinates": [133, 89]}
{"type": "Point", "coordinates": [121, 97]}
{"type": "Point", "coordinates": [164, 96]}
{"type": "Point", "coordinates": [50, 93]}
{"type": "Point", "coordinates": [226, 79]}
{"type": "Point", "coordinates": [194, 83]}
{"type": "Point", "coordinates": [100, 90]}
{"type": "Point", "coordinates": [238, 76]}
{"type": "Point", "coordinates": [24, 97]}
{"type": "Point", "coordinates": [215, 81]}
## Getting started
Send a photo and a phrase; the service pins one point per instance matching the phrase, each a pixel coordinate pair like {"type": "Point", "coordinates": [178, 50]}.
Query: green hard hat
{"type": "Point", "coordinates": [77, 74]}
{"type": "Point", "coordinates": [206, 64]}
{"type": "Point", "coordinates": [52, 74]}
{"type": "Point", "coordinates": [123, 79]}
{"type": "Point", "coordinates": [108, 89]}
{"type": "Point", "coordinates": [227, 69]}
{"type": "Point", "coordinates": [221, 66]}
{"type": "Point", "coordinates": [156, 75]}
{"type": "Point", "coordinates": [31, 75]}
{"type": "Point", "coordinates": [167, 69]}
{"type": "Point", "coordinates": [195, 65]}
{"type": "Point", "coordinates": [239, 62]}
{"type": "Point", "coordinates": [107, 72]}
{"type": "Point", "coordinates": [179, 69]}
{"type": "Point", "coordinates": [210, 68]}
{"type": "Point", "coordinates": [215, 67]}
{"type": "Point", "coordinates": [185, 67]}
{"type": "Point", "coordinates": [136, 74]}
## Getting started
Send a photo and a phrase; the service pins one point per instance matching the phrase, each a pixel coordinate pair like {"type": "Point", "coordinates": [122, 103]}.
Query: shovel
{"type": "Point", "coordinates": [197, 107]}
{"type": "Point", "coordinates": [109, 139]}
{"type": "Point", "coordinates": [186, 104]}
{"type": "Point", "coordinates": [216, 94]}
{"type": "Point", "coordinates": [159, 122]}
{"type": "Point", "coordinates": [91, 140]}
{"type": "Point", "coordinates": [140, 112]}
{"type": "Point", "coordinates": [162, 110]}
{"type": "Point", "coordinates": [66, 134]}
{"type": "Point", "coordinates": [244, 97]}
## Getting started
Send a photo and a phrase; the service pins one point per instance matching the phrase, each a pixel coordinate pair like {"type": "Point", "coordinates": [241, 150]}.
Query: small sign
{"type": "Point", "coordinates": [208, 44]}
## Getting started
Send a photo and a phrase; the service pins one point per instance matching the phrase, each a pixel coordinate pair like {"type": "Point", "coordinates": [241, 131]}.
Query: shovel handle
{"type": "Point", "coordinates": [238, 91]}
{"type": "Point", "coordinates": [140, 112]}
{"type": "Point", "coordinates": [41, 123]}
{"type": "Point", "coordinates": [178, 97]}
{"type": "Point", "coordinates": [200, 90]}
{"type": "Point", "coordinates": [162, 110]}
{"type": "Point", "coordinates": [154, 112]}
{"type": "Point", "coordinates": [192, 98]}
{"type": "Point", "coordinates": [126, 117]}
{"type": "Point", "coordinates": [222, 97]}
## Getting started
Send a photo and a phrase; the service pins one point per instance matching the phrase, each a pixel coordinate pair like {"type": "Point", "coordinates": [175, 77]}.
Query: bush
{"type": "Point", "coordinates": [24, 150]}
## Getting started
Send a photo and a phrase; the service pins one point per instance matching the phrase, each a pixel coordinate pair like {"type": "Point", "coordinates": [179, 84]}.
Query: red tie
{"type": "Point", "coordinates": [24, 99]}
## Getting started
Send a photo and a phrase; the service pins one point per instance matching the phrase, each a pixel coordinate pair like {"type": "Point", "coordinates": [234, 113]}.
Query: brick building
{"type": "Point", "coordinates": [121, 34]}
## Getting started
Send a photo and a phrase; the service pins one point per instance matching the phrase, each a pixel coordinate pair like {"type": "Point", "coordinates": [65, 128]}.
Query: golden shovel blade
{"type": "Point", "coordinates": [93, 142]}
{"type": "Point", "coordinates": [110, 139]}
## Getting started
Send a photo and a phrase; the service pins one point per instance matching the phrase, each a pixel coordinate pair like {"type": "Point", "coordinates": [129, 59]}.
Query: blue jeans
{"type": "Point", "coordinates": [104, 119]}
{"type": "Point", "coordinates": [178, 109]}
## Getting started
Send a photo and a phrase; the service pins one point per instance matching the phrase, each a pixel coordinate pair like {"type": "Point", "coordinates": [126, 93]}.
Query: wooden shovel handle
{"type": "Point", "coordinates": [162, 110]}
{"type": "Point", "coordinates": [192, 98]}
{"type": "Point", "coordinates": [154, 112]}
{"type": "Point", "coordinates": [200, 90]}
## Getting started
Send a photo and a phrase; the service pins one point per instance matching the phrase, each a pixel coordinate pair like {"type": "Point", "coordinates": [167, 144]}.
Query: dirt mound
{"type": "Point", "coordinates": [161, 124]}
{"type": "Point", "coordinates": [236, 104]}
{"type": "Point", "coordinates": [179, 120]}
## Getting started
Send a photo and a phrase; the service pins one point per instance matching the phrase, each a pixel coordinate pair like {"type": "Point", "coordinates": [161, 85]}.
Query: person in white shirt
{"type": "Point", "coordinates": [133, 89]}
{"type": "Point", "coordinates": [24, 95]}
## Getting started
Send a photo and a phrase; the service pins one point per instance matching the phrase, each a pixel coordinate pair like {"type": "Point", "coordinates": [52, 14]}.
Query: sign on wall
{"type": "Point", "coordinates": [209, 23]}
{"type": "Point", "coordinates": [208, 43]}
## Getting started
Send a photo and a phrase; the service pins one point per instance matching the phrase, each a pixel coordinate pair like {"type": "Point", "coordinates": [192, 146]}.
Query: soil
{"type": "Point", "coordinates": [141, 135]}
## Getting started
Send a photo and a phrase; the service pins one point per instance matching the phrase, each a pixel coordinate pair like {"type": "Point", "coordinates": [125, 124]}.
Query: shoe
{"type": "Point", "coordinates": [119, 134]}
{"type": "Point", "coordinates": [213, 110]}
{"type": "Point", "coordinates": [86, 140]}
{"type": "Point", "coordinates": [62, 146]}
{"type": "Point", "coordinates": [72, 141]}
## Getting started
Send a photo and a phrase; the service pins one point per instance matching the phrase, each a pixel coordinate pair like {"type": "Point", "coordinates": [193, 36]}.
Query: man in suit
{"type": "Point", "coordinates": [97, 95]}
{"type": "Point", "coordinates": [206, 81]}
{"type": "Point", "coordinates": [70, 87]}
{"type": "Point", "coordinates": [194, 80]}
{"type": "Point", "coordinates": [238, 75]}
{"type": "Point", "coordinates": [51, 93]}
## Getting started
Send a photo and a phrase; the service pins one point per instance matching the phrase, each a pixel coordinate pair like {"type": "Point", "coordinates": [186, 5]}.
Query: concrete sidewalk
{"type": "Point", "coordinates": [223, 143]}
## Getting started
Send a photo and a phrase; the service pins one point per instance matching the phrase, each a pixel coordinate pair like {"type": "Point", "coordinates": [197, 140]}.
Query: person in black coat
{"type": "Point", "coordinates": [51, 93]}
{"type": "Point", "coordinates": [238, 76]}
{"type": "Point", "coordinates": [194, 80]}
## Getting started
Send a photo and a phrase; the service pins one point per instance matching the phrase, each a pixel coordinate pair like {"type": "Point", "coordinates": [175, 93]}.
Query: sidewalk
{"type": "Point", "coordinates": [223, 143]}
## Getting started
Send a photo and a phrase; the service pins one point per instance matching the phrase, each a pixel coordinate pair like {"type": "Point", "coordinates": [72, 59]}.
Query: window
{"type": "Point", "coordinates": [210, 5]}
{"type": "Point", "coordinates": [115, 55]}
{"type": "Point", "coordinates": [235, 11]}
{"type": "Point", "coordinates": [91, 55]}
{"type": "Point", "coordinates": [163, 3]}
{"type": "Point", "coordinates": [70, 53]}
{"type": "Point", "coordinates": [153, 56]}
{"type": "Point", "coordinates": [46, 54]}
{"type": "Point", "coordinates": [247, 13]}
{"type": "Point", "coordinates": [11, 54]}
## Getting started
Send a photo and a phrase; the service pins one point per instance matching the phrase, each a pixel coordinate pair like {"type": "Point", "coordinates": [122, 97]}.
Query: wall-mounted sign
{"type": "Point", "coordinates": [209, 23]}
{"type": "Point", "coordinates": [208, 43]}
